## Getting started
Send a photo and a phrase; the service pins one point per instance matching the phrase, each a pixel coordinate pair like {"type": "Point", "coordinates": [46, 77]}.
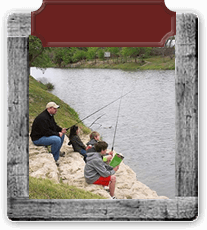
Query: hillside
{"type": "Point", "coordinates": [39, 97]}
{"type": "Point", "coordinates": [66, 116]}
{"type": "Point", "coordinates": [47, 189]}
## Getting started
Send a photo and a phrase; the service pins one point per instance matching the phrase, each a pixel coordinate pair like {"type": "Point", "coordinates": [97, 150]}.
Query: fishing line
{"type": "Point", "coordinates": [101, 109]}
{"type": "Point", "coordinates": [96, 120]}
{"type": "Point", "coordinates": [112, 148]}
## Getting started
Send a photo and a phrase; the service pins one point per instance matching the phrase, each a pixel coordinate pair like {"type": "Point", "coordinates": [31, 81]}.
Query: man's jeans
{"type": "Point", "coordinates": [55, 142]}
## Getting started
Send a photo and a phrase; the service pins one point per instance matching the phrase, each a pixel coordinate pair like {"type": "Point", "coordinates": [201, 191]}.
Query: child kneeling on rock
{"type": "Point", "coordinates": [97, 172]}
{"type": "Point", "coordinates": [95, 138]}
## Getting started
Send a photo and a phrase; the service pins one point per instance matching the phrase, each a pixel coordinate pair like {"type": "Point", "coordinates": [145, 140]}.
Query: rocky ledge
{"type": "Point", "coordinates": [71, 172]}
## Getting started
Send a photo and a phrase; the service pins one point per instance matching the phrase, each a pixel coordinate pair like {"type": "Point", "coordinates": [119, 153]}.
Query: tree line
{"type": "Point", "coordinates": [43, 57]}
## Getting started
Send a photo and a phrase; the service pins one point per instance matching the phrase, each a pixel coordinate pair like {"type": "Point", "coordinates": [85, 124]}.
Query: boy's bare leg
{"type": "Point", "coordinates": [112, 185]}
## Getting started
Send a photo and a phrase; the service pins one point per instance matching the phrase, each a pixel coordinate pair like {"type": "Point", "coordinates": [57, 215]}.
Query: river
{"type": "Point", "coordinates": [146, 125]}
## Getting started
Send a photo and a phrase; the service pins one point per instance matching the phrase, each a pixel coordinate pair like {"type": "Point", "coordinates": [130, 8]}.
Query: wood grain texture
{"type": "Point", "coordinates": [103, 210]}
{"type": "Point", "coordinates": [184, 207]}
{"type": "Point", "coordinates": [18, 128]}
{"type": "Point", "coordinates": [186, 83]}
{"type": "Point", "coordinates": [19, 25]}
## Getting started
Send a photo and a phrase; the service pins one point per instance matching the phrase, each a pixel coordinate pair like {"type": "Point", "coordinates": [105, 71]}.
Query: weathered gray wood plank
{"type": "Point", "coordinates": [186, 83]}
{"type": "Point", "coordinates": [121, 210]}
{"type": "Point", "coordinates": [19, 25]}
{"type": "Point", "coordinates": [18, 128]}
{"type": "Point", "coordinates": [183, 207]}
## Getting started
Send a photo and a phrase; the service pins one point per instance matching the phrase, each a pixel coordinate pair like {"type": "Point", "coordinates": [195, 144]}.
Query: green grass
{"type": "Point", "coordinates": [158, 63]}
{"type": "Point", "coordinates": [39, 97]}
{"type": "Point", "coordinates": [46, 189]}
{"type": "Point", "coordinates": [151, 63]}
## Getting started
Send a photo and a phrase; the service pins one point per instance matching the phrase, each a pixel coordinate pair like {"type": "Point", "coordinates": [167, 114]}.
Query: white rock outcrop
{"type": "Point", "coordinates": [71, 172]}
{"type": "Point", "coordinates": [42, 164]}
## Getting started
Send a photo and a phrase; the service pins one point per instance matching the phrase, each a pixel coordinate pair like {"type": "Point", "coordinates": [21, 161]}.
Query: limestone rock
{"type": "Point", "coordinates": [71, 172]}
{"type": "Point", "coordinates": [41, 163]}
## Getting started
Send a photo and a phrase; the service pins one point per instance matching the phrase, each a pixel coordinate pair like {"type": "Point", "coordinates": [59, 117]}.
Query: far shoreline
{"type": "Point", "coordinates": [151, 63]}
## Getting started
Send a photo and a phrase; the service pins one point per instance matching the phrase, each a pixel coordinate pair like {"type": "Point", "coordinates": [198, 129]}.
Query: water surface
{"type": "Point", "coordinates": [146, 124]}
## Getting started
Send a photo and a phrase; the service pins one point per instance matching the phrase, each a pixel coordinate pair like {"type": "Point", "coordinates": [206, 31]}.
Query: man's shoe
{"type": "Point", "coordinates": [57, 162]}
{"type": "Point", "coordinates": [62, 154]}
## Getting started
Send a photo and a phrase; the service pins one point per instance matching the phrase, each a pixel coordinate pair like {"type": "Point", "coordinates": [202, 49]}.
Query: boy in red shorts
{"type": "Point", "coordinates": [97, 172]}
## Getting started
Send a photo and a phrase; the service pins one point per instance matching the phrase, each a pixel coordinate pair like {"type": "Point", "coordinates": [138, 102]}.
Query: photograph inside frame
{"type": "Point", "coordinates": [126, 96]}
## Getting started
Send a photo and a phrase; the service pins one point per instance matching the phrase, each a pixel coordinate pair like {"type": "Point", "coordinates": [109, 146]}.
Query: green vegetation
{"type": "Point", "coordinates": [39, 97]}
{"type": "Point", "coordinates": [158, 63]}
{"type": "Point", "coordinates": [151, 63]}
{"type": "Point", "coordinates": [50, 86]}
{"type": "Point", "coordinates": [46, 189]}
{"type": "Point", "coordinates": [126, 58]}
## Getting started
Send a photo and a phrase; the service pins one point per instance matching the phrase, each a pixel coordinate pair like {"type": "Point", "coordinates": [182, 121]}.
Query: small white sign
{"type": "Point", "coordinates": [107, 54]}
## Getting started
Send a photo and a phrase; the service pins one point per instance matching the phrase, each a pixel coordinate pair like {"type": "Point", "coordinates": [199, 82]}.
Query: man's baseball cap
{"type": "Point", "coordinates": [52, 104]}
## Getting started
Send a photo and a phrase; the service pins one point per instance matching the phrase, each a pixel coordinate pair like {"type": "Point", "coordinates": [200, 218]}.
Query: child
{"type": "Point", "coordinates": [76, 142]}
{"type": "Point", "coordinates": [94, 138]}
{"type": "Point", "coordinates": [97, 172]}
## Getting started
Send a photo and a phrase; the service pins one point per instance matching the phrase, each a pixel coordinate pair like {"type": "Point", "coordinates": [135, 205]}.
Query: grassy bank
{"type": "Point", "coordinates": [151, 63]}
{"type": "Point", "coordinates": [46, 189]}
{"type": "Point", "coordinates": [158, 63]}
{"type": "Point", "coordinates": [65, 117]}
{"type": "Point", "coordinates": [39, 97]}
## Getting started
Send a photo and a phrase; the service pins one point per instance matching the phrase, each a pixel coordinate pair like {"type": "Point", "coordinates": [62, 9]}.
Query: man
{"type": "Point", "coordinates": [97, 172]}
{"type": "Point", "coordinates": [46, 132]}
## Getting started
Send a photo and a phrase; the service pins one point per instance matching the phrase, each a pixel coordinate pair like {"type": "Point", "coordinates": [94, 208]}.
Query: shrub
{"type": "Point", "coordinates": [50, 86]}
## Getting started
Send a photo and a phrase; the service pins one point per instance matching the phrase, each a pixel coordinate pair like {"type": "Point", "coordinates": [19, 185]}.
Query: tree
{"type": "Point", "coordinates": [91, 53]}
{"type": "Point", "coordinates": [63, 55]}
{"type": "Point", "coordinates": [79, 55]}
{"type": "Point", "coordinates": [134, 52]}
{"type": "Point", "coordinates": [145, 52]}
{"type": "Point", "coordinates": [114, 51]}
{"type": "Point", "coordinates": [58, 57]}
{"type": "Point", "coordinates": [38, 55]}
{"type": "Point", "coordinates": [101, 54]}
{"type": "Point", "coordinates": [125, 52]}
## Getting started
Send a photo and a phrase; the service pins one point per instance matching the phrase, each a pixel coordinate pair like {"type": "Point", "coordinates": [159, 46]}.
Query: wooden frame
{"type": "Point", "coordinates": [185, 204]}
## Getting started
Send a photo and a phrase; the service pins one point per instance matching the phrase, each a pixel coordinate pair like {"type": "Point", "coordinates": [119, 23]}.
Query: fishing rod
{"type": "Point", "coordinates": [112, 148]}
{"type": "Point", "coordinates": [101, 109]}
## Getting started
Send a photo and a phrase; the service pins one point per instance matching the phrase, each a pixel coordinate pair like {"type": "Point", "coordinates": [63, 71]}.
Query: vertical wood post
{"type": "Point", "coordinates": [19, 207]}
{"type": "Point", "coordinates": [18, 114]}
{"type": "Point", "coordinates": [186, 83]}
